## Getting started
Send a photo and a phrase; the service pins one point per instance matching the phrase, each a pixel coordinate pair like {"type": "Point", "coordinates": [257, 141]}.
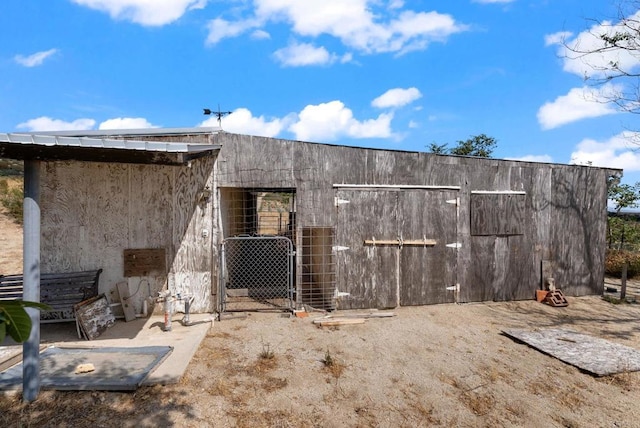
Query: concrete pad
{"type": "Point", "coordinates": [141, 332]}
{"type": "Point", "coordinates": [90, 369]}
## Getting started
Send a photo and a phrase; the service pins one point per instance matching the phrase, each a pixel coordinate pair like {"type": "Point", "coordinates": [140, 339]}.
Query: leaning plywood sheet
{"type": "Point", "coordinates": [94, 316]}
{"type": "Point", "coordinates": [116, 369]}
{"type": "Point", "coordinates": [588, 353]}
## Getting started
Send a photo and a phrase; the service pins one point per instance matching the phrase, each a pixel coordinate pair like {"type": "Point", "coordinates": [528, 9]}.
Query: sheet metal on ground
{"type": "Point", "coordinates": [116, 369]}
{"type": "Point", "coordinates": [588, 353]}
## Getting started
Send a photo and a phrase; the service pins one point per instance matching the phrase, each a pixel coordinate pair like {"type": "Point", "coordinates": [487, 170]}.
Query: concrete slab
{"type": "Point", "coordinates": [141, 332]}
{"type": "Point", "coordinates": [90, 369]}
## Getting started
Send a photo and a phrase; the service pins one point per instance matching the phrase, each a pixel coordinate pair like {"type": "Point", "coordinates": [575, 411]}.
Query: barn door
{"type": "Point", "coordinates": [368, 273]}
{"type": "Point", "coordinates": [428, 273]}
{"type": "Point", "coordinates": [396, 247]}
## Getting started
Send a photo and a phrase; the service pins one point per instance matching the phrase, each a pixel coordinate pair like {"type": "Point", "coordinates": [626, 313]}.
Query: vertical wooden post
{"type": "Point", "coordinates": [31, 274]}
{"type": "Point", "coordinates": [623, 286]}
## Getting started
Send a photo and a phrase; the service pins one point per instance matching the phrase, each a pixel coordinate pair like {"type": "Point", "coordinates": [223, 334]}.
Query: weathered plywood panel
{"type": "Point", "coordinates": [93, 211]}
{"type": "Point", "coordinates": [63, 217]}
{"type": "Point", "coordinates": [595, 355]}
{"type": "Point", "coordinates": [150, 197]}
{"type": "Point", "coordinates": [94, 316]}
{"type": "Point", "coordinates": [502, 269]}
{"type": "Point", "coordinates": [427, 271]}
{"type": "Point", "coordinates": [256, 162]}
{"type": "Point", "coordinates": [191, 265]}
{"type": "Point", "coordinates": [84, 217]}
{"type": "Point", "coordinates": [369, 273]}
{"type": "Point", "coordinates": [497, 214]}
{"type": "Point", "coordinates": [578, 229]}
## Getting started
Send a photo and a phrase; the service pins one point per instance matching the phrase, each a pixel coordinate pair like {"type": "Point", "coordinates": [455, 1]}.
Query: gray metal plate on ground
{"type": "Point", "coordinates": [592, 354]}
{"type": "Point", "coordinates": [116, 369]}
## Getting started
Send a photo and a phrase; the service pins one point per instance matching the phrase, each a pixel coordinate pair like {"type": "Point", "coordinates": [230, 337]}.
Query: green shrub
{"type": "Point", "coordinates": [615, 260]}
{"type": "Point", "coordinates": [12, 200]}
{"type": "Point", "coordinates": [11, 168]}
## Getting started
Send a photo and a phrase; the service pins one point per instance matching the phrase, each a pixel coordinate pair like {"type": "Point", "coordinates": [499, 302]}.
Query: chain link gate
{"type": "Point", "coordinates": [256, 274]}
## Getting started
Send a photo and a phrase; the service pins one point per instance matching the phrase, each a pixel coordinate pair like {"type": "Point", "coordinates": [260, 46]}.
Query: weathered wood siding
{"type": "Point", "coordinates": [92, 212]}
{"type": "Point", "coordinates": [370, 274]}
{"type": "Point", "coordinates": [428, 271]}
{"type": "Point", "coordinates": [560, 219]}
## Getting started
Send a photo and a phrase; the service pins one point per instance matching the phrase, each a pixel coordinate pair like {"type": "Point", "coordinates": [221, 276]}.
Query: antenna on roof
{"type": "Point", "coordinates": [219, 114]}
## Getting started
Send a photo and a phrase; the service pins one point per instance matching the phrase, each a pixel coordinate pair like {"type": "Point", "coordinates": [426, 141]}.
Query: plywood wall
{"type": "Point", "coordinates": [561, 217]}
{"type": "Point", "coordinates": [92, 212]}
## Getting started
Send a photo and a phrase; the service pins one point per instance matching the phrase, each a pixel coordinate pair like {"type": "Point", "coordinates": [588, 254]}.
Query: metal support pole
{"type": "Point", "coordinates": [623, 284]}
{"type": "Point", "coordinates": [31, 273]}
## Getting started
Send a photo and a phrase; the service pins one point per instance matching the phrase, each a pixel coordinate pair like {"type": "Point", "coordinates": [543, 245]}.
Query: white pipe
{"type": "Point", "coordinates": [498, 192]}
{"type": "Point", "coordinates": [393, 186]}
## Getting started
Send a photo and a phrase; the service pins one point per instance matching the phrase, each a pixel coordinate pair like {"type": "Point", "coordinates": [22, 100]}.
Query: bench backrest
{"type": "Point", "coordinates": [59, 290]}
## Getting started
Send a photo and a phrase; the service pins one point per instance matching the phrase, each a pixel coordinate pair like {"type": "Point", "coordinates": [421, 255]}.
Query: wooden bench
{"type": "Point", "coordinates": [61, 291]}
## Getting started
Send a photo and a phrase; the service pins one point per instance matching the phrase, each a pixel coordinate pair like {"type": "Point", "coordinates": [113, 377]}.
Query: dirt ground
{"type": "Point", "coordinates": [445, 365]}
{"type": "Point", "coordinates": [10, 245]}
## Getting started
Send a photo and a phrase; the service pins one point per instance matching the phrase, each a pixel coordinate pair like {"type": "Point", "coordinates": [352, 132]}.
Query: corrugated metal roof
{"type": "Point", "coordinates": [105, 143]}
{"type": "Point", "coordinates": [131, 132]}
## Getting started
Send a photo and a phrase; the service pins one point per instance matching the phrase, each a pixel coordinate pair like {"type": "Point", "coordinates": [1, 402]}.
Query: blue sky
{"type": "Point", "coordinates": [386, 74]}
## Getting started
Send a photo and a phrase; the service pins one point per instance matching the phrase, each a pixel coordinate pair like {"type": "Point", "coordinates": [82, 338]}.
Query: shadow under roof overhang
{"type": "Point", "coordinates": [91, 149]}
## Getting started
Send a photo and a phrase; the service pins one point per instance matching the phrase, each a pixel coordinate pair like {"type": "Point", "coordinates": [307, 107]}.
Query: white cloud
{"type": "Point", "coordinates": [126, 123]}
{"type": "Point", "coordinates": [144, 12]}
{"type": "Point", "coordinates": [324, 122]}
{"type": "Point", "coordinates": [35, 59]}
{"type": "Point", "coordinates": [221, 29]}
{"type": "Point", "coordinates": [594, 64]}
{"type": "Point", "coordinates": [579, 103]}
{"type": "Point", "coordinates": [397, 97]}
{"type": "Point", "coordinates": [557, 38]}
{"type": "Point", "coordinates": [303, 54]}
{"type": "Point", "coordinates": [359, 24]}
{"type": "Point", "coordinates": [620, 151]}
{"type": "Point", "coordinates": [45, 123]}
{"type": "Point", "coordinates": [329, 121]}
{"type": "Point", "coordinates": [533, 158]}
{"type": "Point", "coordinates": [260, 35]}
{"type": "Point", "coordinates": [242, 121]}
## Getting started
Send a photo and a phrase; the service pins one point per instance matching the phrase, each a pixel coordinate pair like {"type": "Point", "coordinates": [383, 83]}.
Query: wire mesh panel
{"type": "Point", "coordinates": [257, 273]}
{"type": "Point", "coordinates": [318, 285]}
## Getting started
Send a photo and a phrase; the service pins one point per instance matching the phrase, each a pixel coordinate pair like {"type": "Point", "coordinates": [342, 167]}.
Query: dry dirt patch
{"type": "Point", "coordinates": [445, 365]}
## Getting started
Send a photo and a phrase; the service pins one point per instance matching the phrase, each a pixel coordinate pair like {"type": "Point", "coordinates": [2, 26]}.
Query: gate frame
{"type": "Point", "coordinates": [291, 291]}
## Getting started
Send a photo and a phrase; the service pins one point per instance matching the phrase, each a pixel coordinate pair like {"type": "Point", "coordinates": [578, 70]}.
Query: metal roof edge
{"type": "Point", "coordinates": [105, 143]}
{"type": "Point", "coordinates": [126, 132]}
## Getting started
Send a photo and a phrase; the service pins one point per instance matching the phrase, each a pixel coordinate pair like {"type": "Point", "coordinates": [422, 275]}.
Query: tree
{"type": "Point", "coordinates": [439, 149]}
{"type": "Point", "coordinates": [481, 146]}
{"type": "Point", "coordinates": [608, 56]}
{"type": "Point", "coordinates": [624, 196]}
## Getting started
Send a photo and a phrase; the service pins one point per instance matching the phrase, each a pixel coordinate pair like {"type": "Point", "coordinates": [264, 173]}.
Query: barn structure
{"type": "Point", "coordinates": [239, 222]}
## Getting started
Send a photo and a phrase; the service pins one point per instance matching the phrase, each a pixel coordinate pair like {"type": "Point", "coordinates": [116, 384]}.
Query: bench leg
{"type": "Point", "coordinates": [78, 329]}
